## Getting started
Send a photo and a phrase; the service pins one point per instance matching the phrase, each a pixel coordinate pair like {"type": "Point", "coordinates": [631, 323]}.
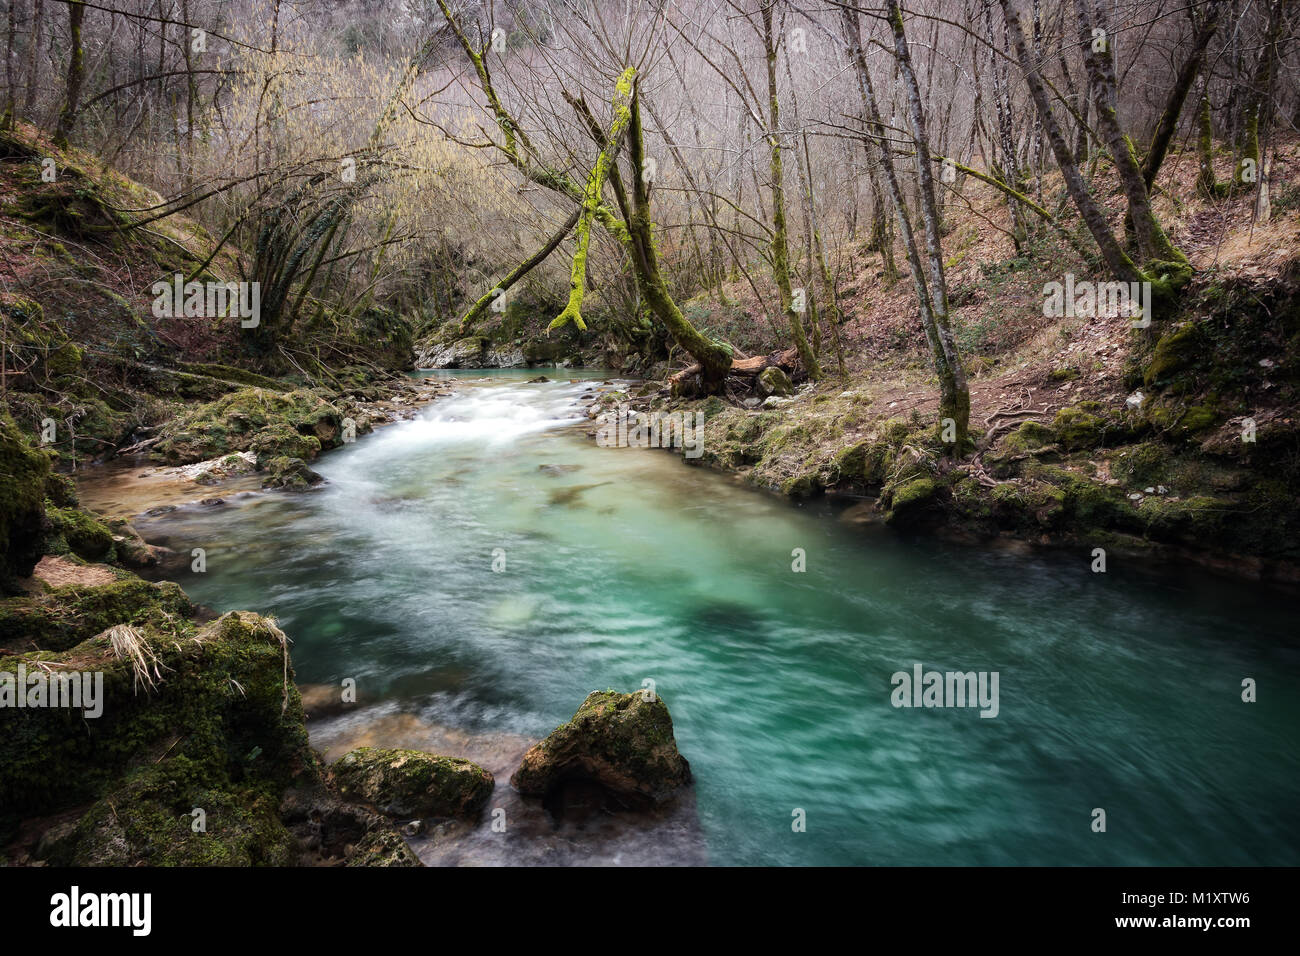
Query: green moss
{"type": "Point", "coordinates": [1199, 519]}
{"type": "Point", "coordinates": [24, 472]}
{"type": "Point", "coordinates": [620, 741]}
{"type": "Point", "coordinates": [1028, 437]}
{"type": "Point", "coordinates": [236, 421]}
{"type": "Point", "coordinates": [81, 533]}
{"type": "Point", "coordinates": [1075, 428]}
{"type": "Point", "coordinates": [1198, 418]}
{"type": "Point", "coordinates": [290, 473]}
{"type": "Point", "coordinates": [1174, 352]}
{"type": "Point", "coordinates": [1144, 464]}
{"type": "Point", "coordinates": [409, 783]}
{"type": "Point", "coordinates": [149, 820]}
{"type": "Point", "coordinates": [60, 618]}
{"type": "Point", "coordinates": [1085, 503]}
{"type": "Point", "coordinates": [61, 491]}
{"type": "Point", "coordinates": [802, 486]}
{"type": "Point", "coordinates": [224, 700]}
{"type": "Point", "coordinates": [281, 439]}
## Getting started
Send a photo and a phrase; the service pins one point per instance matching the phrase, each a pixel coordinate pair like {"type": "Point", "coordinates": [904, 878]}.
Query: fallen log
{"type": "Point", "coordinates": [687, 381]}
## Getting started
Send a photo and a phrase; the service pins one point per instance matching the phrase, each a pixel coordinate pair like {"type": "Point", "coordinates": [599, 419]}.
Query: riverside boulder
{"type": "Point", "coordinates": [410, 783]}
{"type": "Point", "coordinates": [624, 743]}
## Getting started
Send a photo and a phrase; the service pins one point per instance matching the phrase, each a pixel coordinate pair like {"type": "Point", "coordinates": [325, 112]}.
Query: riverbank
{"type": "Point", "coordinates": [1135, 442]}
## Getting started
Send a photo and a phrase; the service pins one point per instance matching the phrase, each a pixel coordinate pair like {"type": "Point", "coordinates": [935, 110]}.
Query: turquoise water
{"type": "Point", "coordinates": [1118, 691]}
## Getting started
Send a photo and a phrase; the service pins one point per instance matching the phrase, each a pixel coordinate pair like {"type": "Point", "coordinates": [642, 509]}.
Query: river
{"type": "Point", "coordinates": [1119, 691]}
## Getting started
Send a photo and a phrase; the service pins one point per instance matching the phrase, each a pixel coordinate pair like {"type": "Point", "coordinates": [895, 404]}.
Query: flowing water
{"type": "Point", "coordinates": [1119, 691]}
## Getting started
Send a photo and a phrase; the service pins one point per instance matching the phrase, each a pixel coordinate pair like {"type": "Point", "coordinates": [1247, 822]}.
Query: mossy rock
{"type": "Point", "coordinates": [804, 485]}
{"type": "Point", "coordinates": [60, 618]}
{"type": "Point", "coordinates": [81, 533]}
{"type": "Point", "coordinates": [382, 848]}
{"type": "Point", "coordinates": [1076, 428]}
{"type": "Point", "coordinates": [411, 784]}
{"type": "Point", "coordinates": [1028, 436]}
{"type": "Point", "coordinates": [1145, 464]}
{"type": "Point", "coordinates": [61, 491]}
{"type": "Point", "coordinates": [1199, 519]}
{"type": "Point", "coordinates": [282, 440]}
{"type": "Point", "coordinates": [234, 422]}
{"type": "Point", "coordinates": [909, 499]}
{"type": "Point", "coordinates": [223, 698]}
{"type": "Point", "coordinates": [774, 381]}
{"type": "Point", "coordinates": [291, 474]}
{"type": "Point", "coordinates": [1197, 418]}
{"type": "Point", "coordinates": [24, 472]}
{"type": "Point", "coordinates": [1086, 504]}
{"type": "Point", "coordinates": [149, 820]}
{"type": "Point", "coordinates": [1176, 351]}
{"type": "Point", "coordinates": [622, 743]}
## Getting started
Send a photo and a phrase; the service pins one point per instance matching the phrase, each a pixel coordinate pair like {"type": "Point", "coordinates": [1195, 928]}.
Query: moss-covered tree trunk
{"type": "Point", "coordinates": [780, 244]}
{"type": "Point", "coordinates": [537, 258]}
{"type": "Point", "coordinates": [714, 358]}
{"type": "Point", "coordinates": [1153, 245]}
{"type": "Point", "coordinates": [591, 201]}
{"type": "Point", "coordinates": [1168, 123]}
{"type": "Point", "coordinates": [76, 73]}
{"type": "Point", "coordinates": [1205, 180]}
{"type": "Point", "coordinates": [1259, 99]}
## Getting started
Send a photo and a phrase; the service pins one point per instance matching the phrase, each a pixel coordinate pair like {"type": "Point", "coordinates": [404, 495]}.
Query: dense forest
{"type": "Point", "coordinates": [308, 307]}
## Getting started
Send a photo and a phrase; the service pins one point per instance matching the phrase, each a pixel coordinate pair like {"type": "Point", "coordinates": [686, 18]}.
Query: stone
{"type": "Point", "coordinates": [410, 783]}
{"type": "Point", "coordinates": [622, 742]}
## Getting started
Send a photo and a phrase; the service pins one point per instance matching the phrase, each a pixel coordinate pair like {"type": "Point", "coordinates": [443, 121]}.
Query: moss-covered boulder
{"type": "Point", "coordinates": [623, 743]}
{"type": "Point", "coordinates": [773, 381]}
{"type": "Point", "coordinates": [223, 698]}
{"type": "Point", "coordinates": [281, 440]}
{"type": "Point", "coordinates": [291, 474]}
{"type": "Point", "coordinates": [329, 829]}
{"type": "Point", "coordinates": [172, 814]}
{"type": "Point", "coordinates": [413, 784]}
{"type": "Point", "coordinates": [80, 533]}
{"type": "Point", "coordinates": [235, 422]}
{"type": "Point", "coordinates": [1144, 464]}
{"type": "Point", "coordinates": [60, 618]}
{"type": "Point", "coordinates": [23, 474]}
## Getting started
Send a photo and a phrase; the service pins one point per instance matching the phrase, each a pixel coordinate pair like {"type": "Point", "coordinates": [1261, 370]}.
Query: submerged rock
{"type": "Point", "coordinates": [623, 743]}
{"type": "Point", "coordinates": [292, 474]}
{"type": "Point", "coordinates": [410, 783]}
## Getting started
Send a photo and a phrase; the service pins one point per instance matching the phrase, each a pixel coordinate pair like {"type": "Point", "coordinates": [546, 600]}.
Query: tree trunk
{"type": "Point", "coordinates": [1168, 124]}
{"type": "Point", "coordinates": [780, 245]}
{"type": "Point", "coordinates": [33, 50]}
{"type": "Point", "coordinates": [954, 395]}
{"type": "Point", "coordinates": [1121, 266]}
{"type": "Point", "coordinates": [714, 359]}
{"type": "Point", "coordinates": [1153, 244]}
{"type": "Point", "coordinates": [76, 74]}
